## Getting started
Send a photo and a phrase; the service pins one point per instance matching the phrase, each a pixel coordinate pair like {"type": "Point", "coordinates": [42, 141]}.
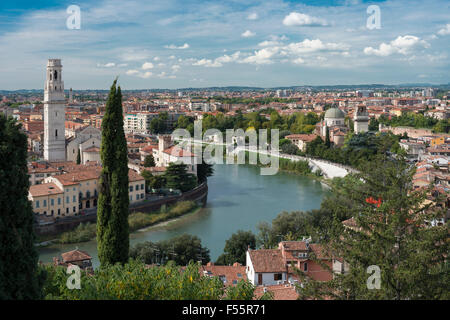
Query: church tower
{"type": "Point", "coordinates": [361, 119]}
{"type": "Point", "coordinates": [54, 114]}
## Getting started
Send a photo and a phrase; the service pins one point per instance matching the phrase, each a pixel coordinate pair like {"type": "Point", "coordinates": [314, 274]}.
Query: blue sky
{"type": "Point", "coordinates": [192, 43]}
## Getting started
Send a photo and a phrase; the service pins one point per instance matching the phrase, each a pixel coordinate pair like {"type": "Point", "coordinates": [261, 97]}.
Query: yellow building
{"type": "Point", "coordinates": [437, 141]}
{"type": "Point", "coordinates": [70, 193]}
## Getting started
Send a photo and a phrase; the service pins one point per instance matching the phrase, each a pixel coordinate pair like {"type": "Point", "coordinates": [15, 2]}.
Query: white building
{"type": "Point", "coordinates": [87, 142]}
{"type": "Point", "coordinates": [167, 153]}
{"type": "Point", "coordinates": [265, 267]}
{"type": "Point", "coordinates": [54, 114]}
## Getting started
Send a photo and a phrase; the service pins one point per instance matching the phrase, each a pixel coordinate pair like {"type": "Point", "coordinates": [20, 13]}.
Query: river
{"type": "Point", "coordinates": [239, 197]}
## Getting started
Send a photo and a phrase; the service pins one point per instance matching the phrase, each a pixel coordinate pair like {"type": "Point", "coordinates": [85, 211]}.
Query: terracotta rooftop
{"type": "Point", "coordinates": [280, 292]}
{"type": "Point", "coordinates": [75, 177]}
{"type": "Point", "coordinates": [267, 260]}
{"type": "Point", "coordinates": [177, 151]}
{"type": "Point", "coordinates": [303, 137]}
{"type": "Point", "coordinates": [231, 274]}
{"type": "Point", "coordinates": [75, 255]}
{"type": "Point", "coordinates": [134, 176]}
{"type": "Point", "coordinates": [44, 189]}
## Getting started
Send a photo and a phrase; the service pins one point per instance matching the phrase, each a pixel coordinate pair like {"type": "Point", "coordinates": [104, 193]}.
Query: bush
{"type": "Point", "coordinates": [84, 232]}
{"type": "Point", "coordinates": [136, 281]}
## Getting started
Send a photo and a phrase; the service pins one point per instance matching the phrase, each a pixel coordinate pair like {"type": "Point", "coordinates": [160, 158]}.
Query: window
{"type": "Point", "coordinates": [131, 198]}
{"type": "Point", "coordinates": [37, 203]}
{"type": "Point", "coordinates": [277, 276]}
{"type": "Point", "coordinates": [45, 203]}
{"type": "Point", "coordinates": [67, 200]}
{"type": "Point", "coordinates": [131, 188]}
{"type": "Point", "coordinates": [142, 186]}
{"type": "Point", "coordinates": [74, 209]}
{"type": "Point", "coordinates": [74, 198]}
{"type": "Point", "coordinates": [56, 132]}
{"type": "Point", "coordinates": [142, 196]}
{"type": "Point", "coordinates": [137, 187]}
{"type": "Point", "coordinates": [52, 202]}
{"type": "Point", "coordinates": [305, 266]}
{"type": "Point", "coordinates": [67, 210]}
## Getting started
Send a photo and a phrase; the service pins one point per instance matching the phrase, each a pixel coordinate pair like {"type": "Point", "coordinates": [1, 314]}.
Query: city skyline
{"type": "Point", "coordinates": [192, 44]}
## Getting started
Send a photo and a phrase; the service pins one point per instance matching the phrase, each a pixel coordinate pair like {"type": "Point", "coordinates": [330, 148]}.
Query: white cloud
{"type": "Point", "coordinates": [262, 56]}
{"type": "Point", "coordinates": [252, 16]}
{"type": "Point", "coordinates": [172, 46]}
{"type": "Point", "coordinates": [444, 31]}
{"type": "Point", "coordinates": [298, 61]}
{"type": "Point", "coordinates": [301, 19]}
{"type": "Point", "coordinates": [147, 65]}
{"type": "Point", "coordinates": [156, 59]}
{"type": "Point", "coordinates": [106, 65]}
{"type": "Point", "coordinates": [269, 43]}
{"type": "Point", "coordinates": [218, 62]}
{"type": "Point", "coordinates": [134, 72]}
{"type": "Point", "coordinates": [402, 44]}
{"type": "Point", "coordinates": [207, 63]}
{"type": "Point", "coordinates": [248, 34]}
{"type": "Point", "coordinates": [308, 46]}
{"type": "Point", "coordinates": [175, 68]}
{"type": "Point", "coordinates": [172, 57]}
{"type": "Point", "coordinates": [145, 75]}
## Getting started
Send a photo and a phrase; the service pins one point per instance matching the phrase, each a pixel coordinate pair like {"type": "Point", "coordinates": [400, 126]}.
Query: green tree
{"type": "Point", "coordinates": [19, 275]}
{"type": "Point", "coordinates": [113, 201]}
{"type": "Point", "coordinates": [392, 231]}
{"type": "Point", "coordinates": [149, 161]}
{"type": "Point", "coordinates": [327, 138]}
{"type": "Point", "coordinates": [177, 177]}
{"type": "Point", "coordinates": [180, 249]}
{"type": "Point", "coordinates": [204, 170]}
{"type": "Point", "coordinates": [78, 157]}
{"type": "Point", "coordinates": [236, 248]}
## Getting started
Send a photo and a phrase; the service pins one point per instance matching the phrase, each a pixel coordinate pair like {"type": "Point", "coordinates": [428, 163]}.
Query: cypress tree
{"type": "Point", "coordinates": [113, 201]}
{"type": "Point", "coordinates": [19, 278]}
{"type": "Point", "coordinates": [78, 157]}
{"type": "Point", "coordinates": [327, 138]}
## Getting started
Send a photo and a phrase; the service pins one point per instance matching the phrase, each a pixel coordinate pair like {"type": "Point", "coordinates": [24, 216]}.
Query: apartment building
{"type": "Point", "coordinates": [72, 193]}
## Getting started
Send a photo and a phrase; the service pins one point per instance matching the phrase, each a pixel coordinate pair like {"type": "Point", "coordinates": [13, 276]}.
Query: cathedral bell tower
{"type": "Point", "coordinates": [54, 114]}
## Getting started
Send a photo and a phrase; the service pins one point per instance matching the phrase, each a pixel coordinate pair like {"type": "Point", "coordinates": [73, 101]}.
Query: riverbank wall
{"type": "Point", "coordinates": [198, 194]}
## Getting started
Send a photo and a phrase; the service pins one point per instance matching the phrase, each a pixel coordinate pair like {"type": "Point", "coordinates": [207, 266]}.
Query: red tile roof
{"type": "Point", "coordinates": [44, 189]}
{"type": "Point", "coordinates": [75, 255]}
{"type": "Point", "coordinates": [267, 260]}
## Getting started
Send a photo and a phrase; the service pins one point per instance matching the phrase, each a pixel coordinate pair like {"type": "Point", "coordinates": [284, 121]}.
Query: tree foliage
{"type": "Point", "coordinates": [181, 250]}
{"type": "Point", "coordinates": [177, 177]}
{"type": "Point", "coordinates": [19, 275]}
{"type": "Point", "coordinates": [136, 281]}
{"type": "Point", "coordinates": [236, 248]}
{"type": "Point", "coordinates": [392, 231]}
{"type": "Point", "coordinates": [113, 200]}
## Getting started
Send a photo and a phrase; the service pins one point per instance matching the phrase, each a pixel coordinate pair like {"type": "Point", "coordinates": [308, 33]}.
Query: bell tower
{"type": "Point", "coordinates": [54, 114]}
{"type": "Point", "coordinates": [361, 119]}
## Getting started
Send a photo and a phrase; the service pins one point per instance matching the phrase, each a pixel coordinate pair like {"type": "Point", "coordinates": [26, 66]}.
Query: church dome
{"type": "Point", "coordinates": [334, 113]}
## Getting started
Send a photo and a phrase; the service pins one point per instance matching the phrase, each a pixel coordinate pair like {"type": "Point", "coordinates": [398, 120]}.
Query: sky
{"type": "Point", "coordinates": [192, 43]}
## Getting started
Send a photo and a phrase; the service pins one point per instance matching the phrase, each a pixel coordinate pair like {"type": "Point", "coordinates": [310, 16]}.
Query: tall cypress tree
{"type": "Point", "coordinates": [113, 201]}
{"type": "Point", "coordinates": [19, 277]}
